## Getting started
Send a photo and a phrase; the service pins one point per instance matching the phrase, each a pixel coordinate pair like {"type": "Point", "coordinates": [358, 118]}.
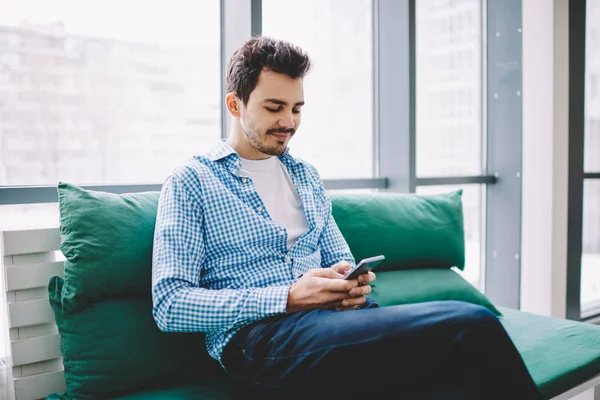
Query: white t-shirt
{"type": "Point", "coordinates": [277, 192]}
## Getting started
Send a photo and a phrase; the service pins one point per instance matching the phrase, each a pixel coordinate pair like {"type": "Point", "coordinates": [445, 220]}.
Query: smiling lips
{"type": "Point", "coordinates": [281, 136]}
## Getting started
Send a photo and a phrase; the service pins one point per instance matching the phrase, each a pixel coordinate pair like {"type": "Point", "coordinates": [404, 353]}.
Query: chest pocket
{"type": "Point", "coordinates": [315, 206]}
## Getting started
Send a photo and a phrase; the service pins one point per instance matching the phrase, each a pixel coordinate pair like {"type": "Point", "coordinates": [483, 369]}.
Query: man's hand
{"type": "Point", "coordinates": [358, 293]}
{"type": "Point", "coordinates": [325, 288]}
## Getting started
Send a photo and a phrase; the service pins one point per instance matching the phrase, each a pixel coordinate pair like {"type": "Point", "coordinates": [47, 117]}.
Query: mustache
{"type": "Point", "coordinates": [281, 130]}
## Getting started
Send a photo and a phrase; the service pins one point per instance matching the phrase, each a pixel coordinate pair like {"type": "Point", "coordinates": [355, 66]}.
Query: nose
{"type": "Point", "coordinates": [287, 121]}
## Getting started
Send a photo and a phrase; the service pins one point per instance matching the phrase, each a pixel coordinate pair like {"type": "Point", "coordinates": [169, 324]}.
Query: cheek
{"type": "Point", "coordinates": [251, 123]}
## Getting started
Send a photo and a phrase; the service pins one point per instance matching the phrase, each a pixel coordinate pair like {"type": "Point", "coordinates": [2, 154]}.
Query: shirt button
{"type": "Point", "coordinates": [281, 233]}
{"type": "Point", "coordinates": [259, 209]}
{"type": "Point", "coordinates": [244, 180]}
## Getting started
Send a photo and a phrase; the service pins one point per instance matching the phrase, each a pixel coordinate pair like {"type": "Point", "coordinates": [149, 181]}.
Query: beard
{"type": "Point", "coordinates": [257, 139]}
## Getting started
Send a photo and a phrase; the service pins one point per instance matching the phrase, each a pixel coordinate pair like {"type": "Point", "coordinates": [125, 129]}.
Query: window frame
{"type": "Point", "coordinates": [394, 129]}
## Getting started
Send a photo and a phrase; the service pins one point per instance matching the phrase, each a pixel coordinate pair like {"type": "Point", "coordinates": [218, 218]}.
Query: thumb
{"type": "Point", "coordinates": [342, 267]}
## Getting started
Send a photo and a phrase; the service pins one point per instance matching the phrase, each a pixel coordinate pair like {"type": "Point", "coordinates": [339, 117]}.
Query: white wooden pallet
{"type": "Point", "coordinates": [29, 259]}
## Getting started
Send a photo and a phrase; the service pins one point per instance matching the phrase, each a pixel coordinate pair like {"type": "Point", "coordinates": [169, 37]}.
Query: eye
{"type": "Point", "coordinates": [296, 111]}
{"type": "Point", "coordinates": [273, 110]}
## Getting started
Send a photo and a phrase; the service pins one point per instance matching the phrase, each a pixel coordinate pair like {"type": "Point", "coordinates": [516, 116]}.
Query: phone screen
{"type": "Point", "coordinates": [364, 267]}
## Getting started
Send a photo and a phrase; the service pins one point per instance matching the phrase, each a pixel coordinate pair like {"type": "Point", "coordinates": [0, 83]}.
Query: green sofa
{"type": "Point", "coordinates": [112, 348]}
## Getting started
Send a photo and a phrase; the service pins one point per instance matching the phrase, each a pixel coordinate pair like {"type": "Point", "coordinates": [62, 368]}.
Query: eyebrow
{"type": "Point", "coordinates": [281, 102]}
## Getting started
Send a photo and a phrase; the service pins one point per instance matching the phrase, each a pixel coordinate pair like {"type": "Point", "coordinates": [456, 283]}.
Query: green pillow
{"type": "Point", "coordinates": [410, 230]}
{"type": "Point", "coordinates": [110, 342]}
{"type": "Point", "coordinates": [107, 241]}
{"type": "Point", "coordinates": [114, 347]}
{"type": "Point", "coordinates": [421, 285]}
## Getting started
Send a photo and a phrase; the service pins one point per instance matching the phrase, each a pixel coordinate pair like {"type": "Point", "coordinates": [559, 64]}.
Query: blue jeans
{"type": "Point", "coordinates": [435, 350]}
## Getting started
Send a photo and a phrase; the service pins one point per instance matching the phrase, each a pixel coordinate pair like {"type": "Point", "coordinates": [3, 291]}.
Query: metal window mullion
{"type": "Point", "coordinates": [576, 51]}
{"type": "Point", "coordinates": [504, 149]}
{"type": "Point", "coordinates": [457, 180]}
{"type": "Point", "coordinates": [394, 52]}
{"type": "Point", "coordinates": [237, 20]}
{"type": "Point", "coordinates": [482, 192]}
{"type": "Point", "coordinates": [48, 194]}
{"type": "Point", "coordinates": [256, 17]}
{"type": "Point", "coordinates": [375, 84]}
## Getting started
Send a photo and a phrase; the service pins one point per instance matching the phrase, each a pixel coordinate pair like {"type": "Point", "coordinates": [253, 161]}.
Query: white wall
{"type": "Point", "coordinates": [545, 157]}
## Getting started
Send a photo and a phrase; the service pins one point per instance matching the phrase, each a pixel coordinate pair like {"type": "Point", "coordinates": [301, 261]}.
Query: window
{"type": "Point", "coordinates": [590, 260]}
{"type": "Point", "coordinates": [449, 118]}
{"type": "Point", "coordinates": [107, 91]}
{"type": "Point", "coordinates": [452, 71]}
{"type": "Point", "coordinates": [102, 92]}
{"type": "Point", "coordinates": [592, 100]}
{"type": "Point", "coordinates": [337, 122]}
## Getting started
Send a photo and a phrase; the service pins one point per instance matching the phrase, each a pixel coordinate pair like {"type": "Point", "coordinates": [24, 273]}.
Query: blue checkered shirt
{"type": "Point", "coordinates": [219, 260]}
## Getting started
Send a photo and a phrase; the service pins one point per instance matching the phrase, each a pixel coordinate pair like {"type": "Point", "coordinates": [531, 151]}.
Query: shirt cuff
{"type": "Point", "coordinates": [272, 300]}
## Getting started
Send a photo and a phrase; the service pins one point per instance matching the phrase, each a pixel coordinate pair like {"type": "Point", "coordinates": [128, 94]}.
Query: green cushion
{"type": "Point", "coordinates": [410, 230]}
{"type": "Point", "coordinates": [114, 347]}
{"type": "Point", "coordinates": [559, 353]}
{"type": "Point", "coordinates": [103, 307]}
{"type": "Point", "coordinates": [420, 285]}
{"type": "Point", "coordinates": [107, 241]}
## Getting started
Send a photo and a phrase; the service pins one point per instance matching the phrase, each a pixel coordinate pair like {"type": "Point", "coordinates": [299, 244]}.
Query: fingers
{"type": "Point", "coordinates": [336, 304]}
{"type": "Point", "coordinates": [365, 278]}
{"type": "Point", "coordinates": [324, 273]}
{"type": "Point", "coordinates": [355, 301]}
{"type": "Point", "coordinates": [351, 304]}
{"type": "Point", "coordinates": [353, 287]}
{"type": "Point", "coordinates": [360, 290]}
{"type": "Point", "coordinates": [329, 280]}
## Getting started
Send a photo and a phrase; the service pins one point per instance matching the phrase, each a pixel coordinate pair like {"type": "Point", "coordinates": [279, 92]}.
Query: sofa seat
{"type": "Point", "coordinates": [560, 354]}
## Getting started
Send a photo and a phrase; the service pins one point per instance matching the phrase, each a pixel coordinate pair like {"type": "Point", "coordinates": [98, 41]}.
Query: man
{"type": "Point", "coordinates": [246, 250]}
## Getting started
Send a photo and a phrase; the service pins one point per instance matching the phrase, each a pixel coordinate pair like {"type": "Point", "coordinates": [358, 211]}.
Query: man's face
{"type": "Point", "coordinates": [272, 114]}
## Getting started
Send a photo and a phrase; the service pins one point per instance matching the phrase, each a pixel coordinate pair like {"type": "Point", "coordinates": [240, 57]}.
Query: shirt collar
{"type": "Point", "coordinates": [222, 152]}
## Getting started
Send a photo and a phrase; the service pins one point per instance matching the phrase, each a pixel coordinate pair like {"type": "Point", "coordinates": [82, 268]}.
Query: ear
{"type": "Point", "coordinates": [233, 104]}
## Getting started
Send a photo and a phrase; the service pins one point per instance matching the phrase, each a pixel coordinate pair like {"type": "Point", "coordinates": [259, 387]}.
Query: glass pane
{"type": "Point", "coordinates": [449, 85]}
{"type": "Point", "coordinates": [592, 88]}
{"type": "Point", "coordinates": [107, 91]}
{"type": "Point", "coordinates": [590, 260]}
{"type": "Point", "coordinates": [473, 200]}
{"type": "Point", "coordinates": [337, 121]}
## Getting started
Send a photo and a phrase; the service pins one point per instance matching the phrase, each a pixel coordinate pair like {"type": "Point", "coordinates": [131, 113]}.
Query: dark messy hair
{"type": "Point", "coordinates": [259, 53]}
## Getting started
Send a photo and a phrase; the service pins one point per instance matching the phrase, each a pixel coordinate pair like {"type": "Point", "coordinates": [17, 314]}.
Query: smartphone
{"type": "Point", "coordinates": [363, 267]}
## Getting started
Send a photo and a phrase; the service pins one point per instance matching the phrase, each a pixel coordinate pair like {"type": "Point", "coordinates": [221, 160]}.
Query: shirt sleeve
{"type": "Point", "coordinates": [179, 254]}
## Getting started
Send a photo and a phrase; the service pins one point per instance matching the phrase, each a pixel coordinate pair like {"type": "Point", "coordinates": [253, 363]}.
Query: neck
{"type": "Point", "coordinates": [238, 141]}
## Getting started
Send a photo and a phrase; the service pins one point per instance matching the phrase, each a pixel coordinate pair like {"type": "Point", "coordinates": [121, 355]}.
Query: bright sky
{"type": "Point", "coordinates": [157, 21]}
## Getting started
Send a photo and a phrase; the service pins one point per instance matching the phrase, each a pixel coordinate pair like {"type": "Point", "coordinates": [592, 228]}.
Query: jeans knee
{"type": "Point", "coordinates": [470, 314]}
